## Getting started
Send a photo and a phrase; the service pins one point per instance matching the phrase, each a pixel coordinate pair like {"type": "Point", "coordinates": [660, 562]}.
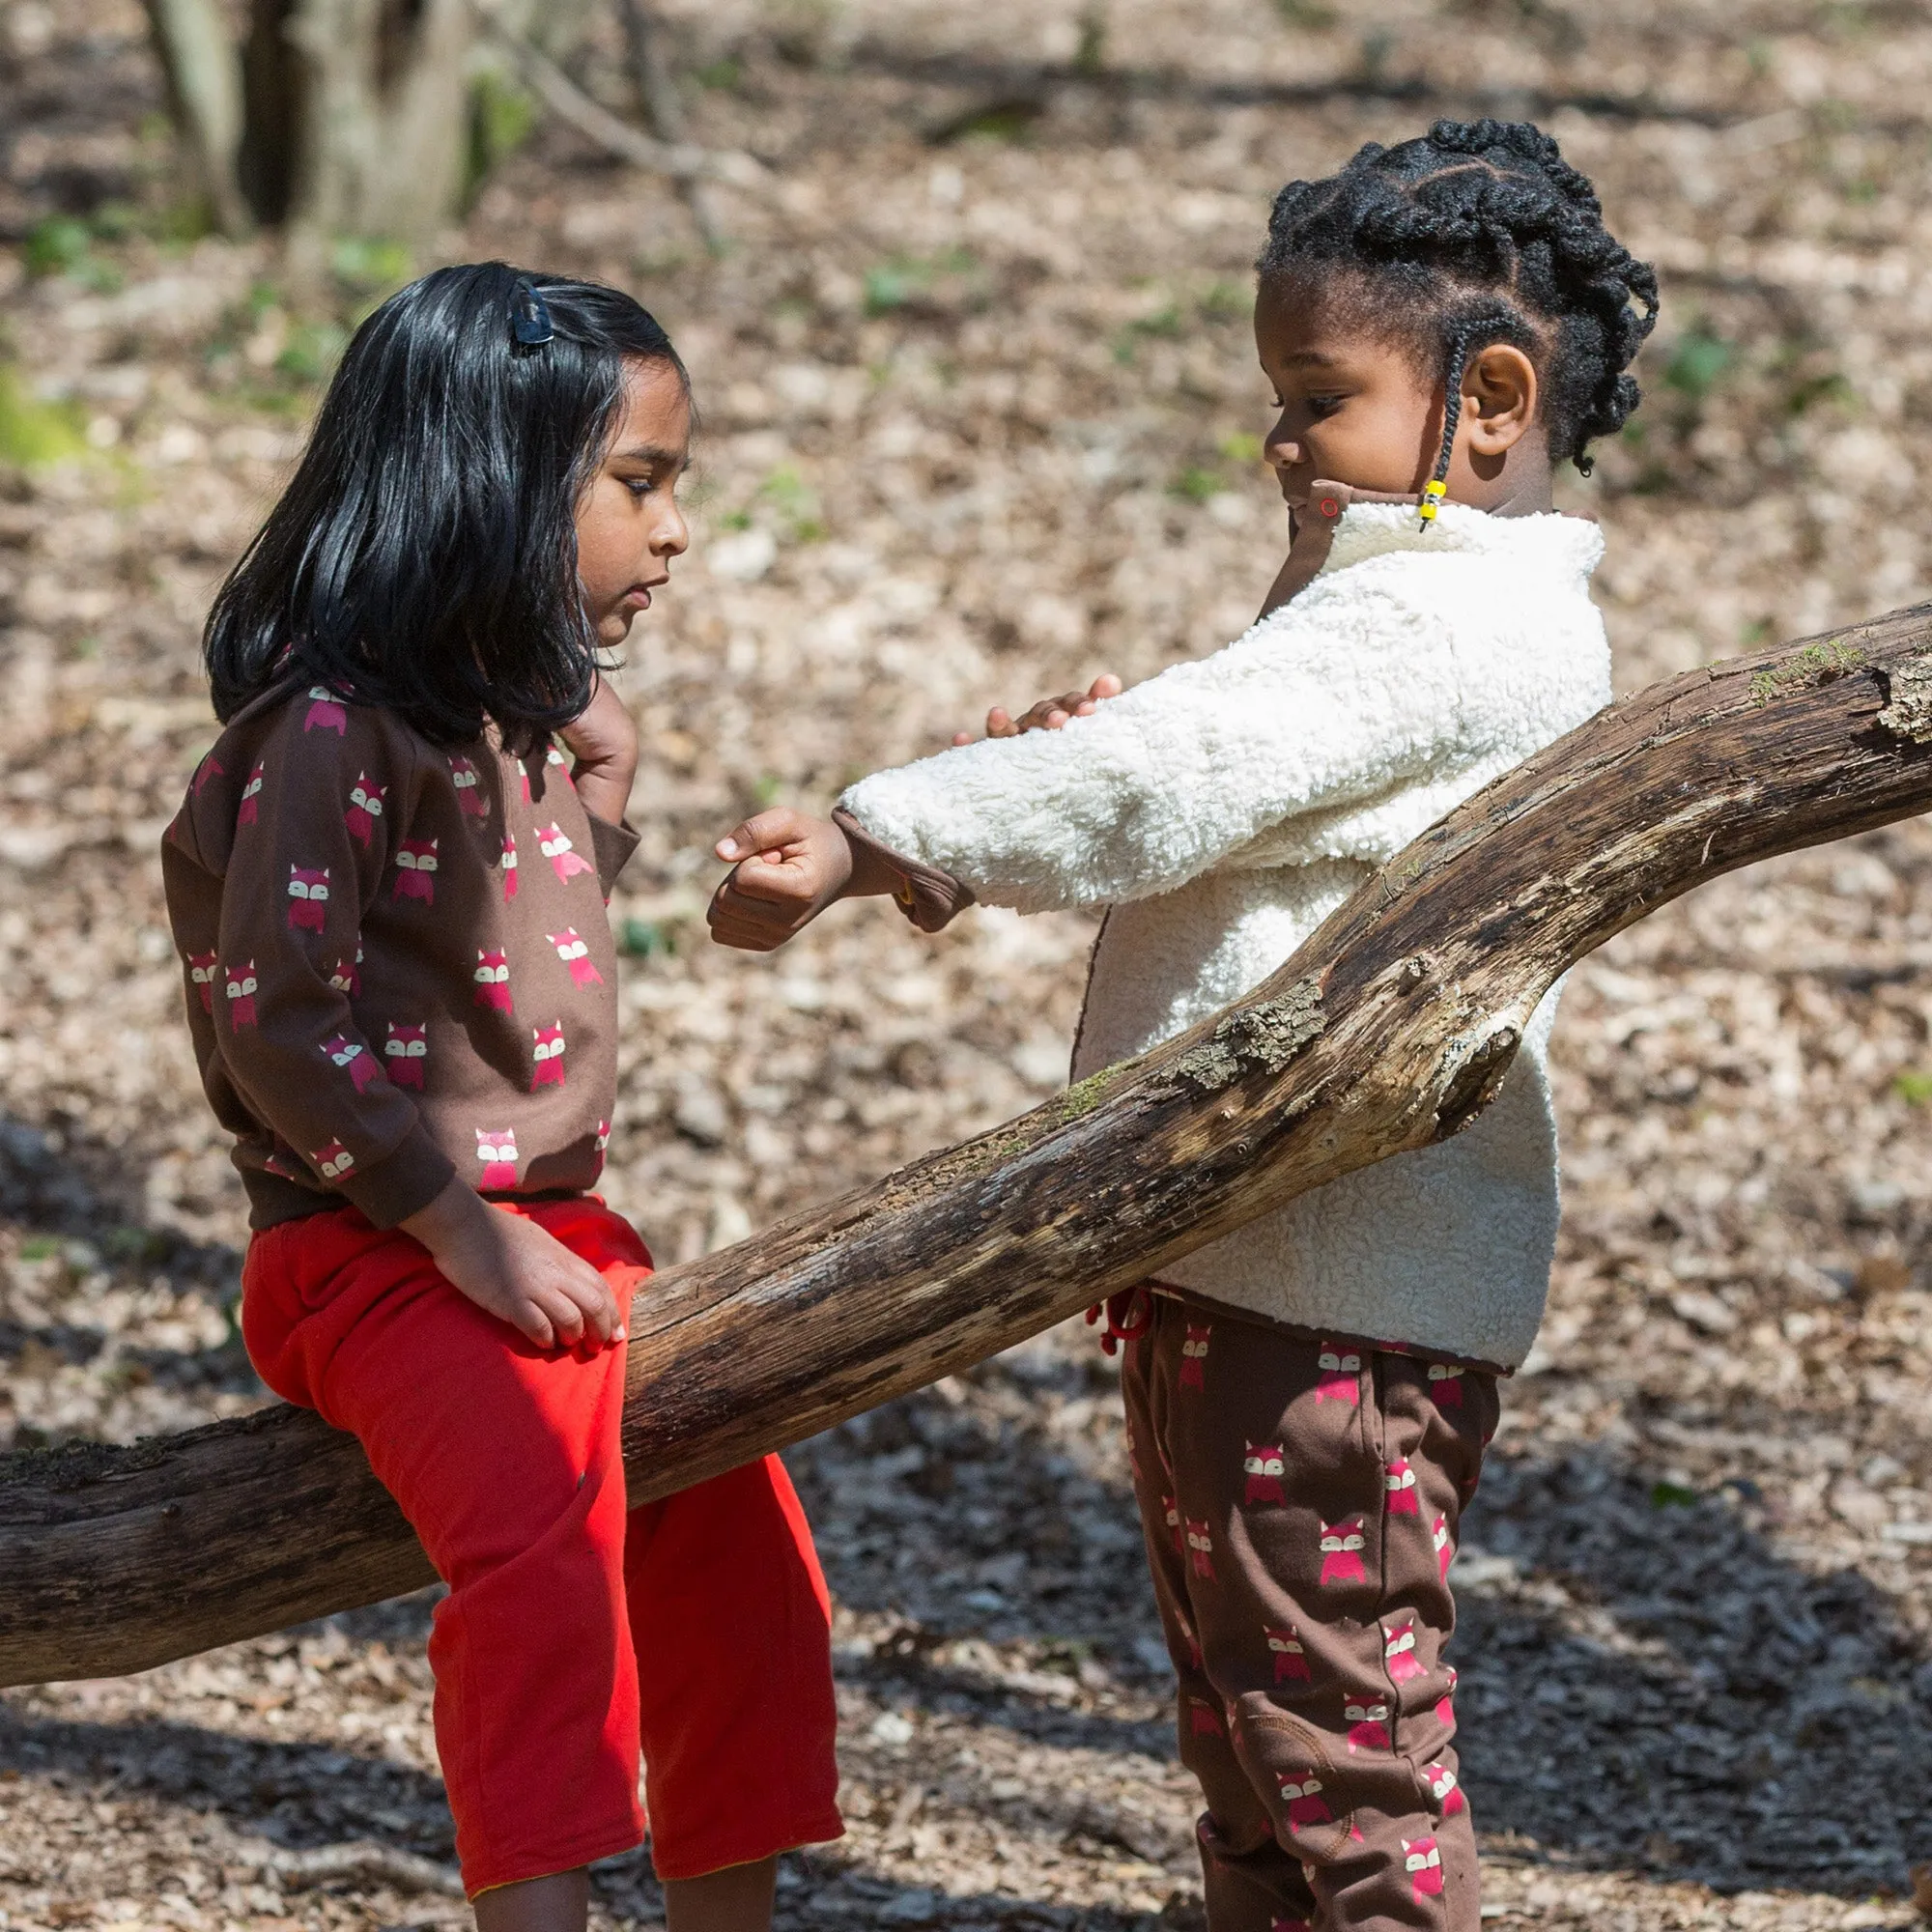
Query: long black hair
{"type": "Point", "coordinates": [1476, 233]}
{"type": "Point", "coordinates": [424, 557]}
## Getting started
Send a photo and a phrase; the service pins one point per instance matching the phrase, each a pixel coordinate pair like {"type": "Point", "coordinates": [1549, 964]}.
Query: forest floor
{"type": "Point", "coordinates": [981, 414]}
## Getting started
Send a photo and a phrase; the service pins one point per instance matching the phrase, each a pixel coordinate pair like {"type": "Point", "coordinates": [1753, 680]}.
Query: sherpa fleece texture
{"type": "Point", "coordinates": [1225, 807]}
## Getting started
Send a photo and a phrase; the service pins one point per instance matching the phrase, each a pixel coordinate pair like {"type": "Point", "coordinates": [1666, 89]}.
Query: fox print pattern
{"type": "Point", "coordinates": [308, 899]}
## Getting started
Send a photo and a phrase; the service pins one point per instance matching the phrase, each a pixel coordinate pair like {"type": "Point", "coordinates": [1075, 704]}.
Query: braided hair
{"type": "Point", "coordinates": [1476, 233]}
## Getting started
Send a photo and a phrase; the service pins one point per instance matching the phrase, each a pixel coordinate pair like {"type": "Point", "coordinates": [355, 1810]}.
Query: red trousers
{"type": "Point", "coordinates": [575, 1632]}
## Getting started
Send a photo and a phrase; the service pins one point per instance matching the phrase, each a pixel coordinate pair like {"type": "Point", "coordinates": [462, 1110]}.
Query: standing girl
{"type": "Point", "coordinates": [387, 885]}
{"type": "Point", "coordinates": [1308, 1400]}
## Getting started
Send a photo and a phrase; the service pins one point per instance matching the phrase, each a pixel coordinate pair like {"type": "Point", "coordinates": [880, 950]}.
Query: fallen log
{"type": "Point", "coordinates": [1390, 1028]}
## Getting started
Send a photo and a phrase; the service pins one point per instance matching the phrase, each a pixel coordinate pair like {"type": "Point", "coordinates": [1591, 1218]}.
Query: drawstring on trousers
{"type": "Point", "coordinates": [1127, 1314]}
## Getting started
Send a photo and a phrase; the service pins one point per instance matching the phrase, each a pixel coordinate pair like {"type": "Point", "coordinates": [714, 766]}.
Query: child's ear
{"type": "Point", "coordinates": [1500, 396]}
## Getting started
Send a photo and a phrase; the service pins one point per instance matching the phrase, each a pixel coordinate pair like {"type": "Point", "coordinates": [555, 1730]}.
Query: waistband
{"type": "Point", "coordinates": [1222, 1311]}
{"type": "Point", "coordinates": [273, 1200]}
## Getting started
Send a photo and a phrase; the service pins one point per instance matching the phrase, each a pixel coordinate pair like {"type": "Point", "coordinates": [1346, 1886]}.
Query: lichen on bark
{"type": "Point", "coordinates": [1267, 1034]}
{"type": "Point", "coordinates": [1908, 713]}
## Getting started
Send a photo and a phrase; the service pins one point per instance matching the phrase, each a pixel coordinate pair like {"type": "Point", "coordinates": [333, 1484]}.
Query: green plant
{"type": "Point", "coordinates": [56, 245]}
{"type": "Point", "coordinates": [1698, 362]}
{"type": "Point", "coordinates": [1225, 301]}
{"type": "Point", "coordinates": [115, 221]}
{"type": "Point", "coordinates": [128, 1243]}
{"type": "Point", "coordinates": [1672, 1496]}
{"type": "Point", "coordinates": [1163, 323]}
{"type": "Point", "coordinates": [997, 120]}
{"type": "Point", "coordinates": [796, 504]}
{"type": "Point", "coordinates": [501, 116]}
{"type": "Point", "coordinates": [724, 75]}
{"type": "Point", "coordinates": [369, 264]}
{"type": "Point", "coordinates": [1196, 485]}
{"type": "Point", "coordinates": [1914, 1086]}
{"type": "Point", "coordinates": [1090, 56]}
{"type": "Point", "coordinates": [647, 939]}
{"type": "Point", "coordinates": [312, 351]}
{"type": "Point", "coordinates": [32, 432]}
{"type": "Point", "coordinates": [889, 287]}
{"type": "Point", "coordinates": [182, 221]}
{"type": "Point", "coordinates": [1816, 664]}
{"type": "Point", "coordinates": [901, 278]}
{"type": "Point", "coordinates": [64, 245]}
{"type": "Point", "coordinates": [1828, 385]}
{"type": "Point", "coordinates": [1240, 446]}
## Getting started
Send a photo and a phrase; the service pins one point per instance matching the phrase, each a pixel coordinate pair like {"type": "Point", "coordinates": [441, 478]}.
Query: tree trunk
{"type": "Point", "coordinates": [205, 94]}
{"type": "Point", "coordinates": [379, 143]}
{"type": "Point", "coordinates": [1390, 1028]}
{"type": "Point", "coordinates": [354, 117]}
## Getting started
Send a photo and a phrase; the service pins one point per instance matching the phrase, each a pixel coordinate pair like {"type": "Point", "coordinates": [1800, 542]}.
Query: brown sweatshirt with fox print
{"type": "Point", "coordinates": [397, 960]}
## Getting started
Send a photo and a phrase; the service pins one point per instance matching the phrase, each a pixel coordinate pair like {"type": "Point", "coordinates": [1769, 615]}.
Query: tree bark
{"type": "Point", "coordinates": [204, 84]}
{"type": "Point", "coordinates": [1390, 1028]}
{"type": "Point", "coordinates": [381, 134]}
{"type": "Point", "coordinates": [333, 118]}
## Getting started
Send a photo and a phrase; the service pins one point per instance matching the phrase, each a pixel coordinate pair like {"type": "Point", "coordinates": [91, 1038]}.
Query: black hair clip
{"type": "Point", "coordinates": [529, 317]}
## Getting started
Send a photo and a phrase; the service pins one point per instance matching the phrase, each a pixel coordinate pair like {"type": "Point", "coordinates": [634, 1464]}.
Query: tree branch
{"type": "Point", "coordinates": [1390, 1028]}
{"type": "Point", "coordinates": [663, 112]}
{"type": "Point", "coordinates": [569, 103]}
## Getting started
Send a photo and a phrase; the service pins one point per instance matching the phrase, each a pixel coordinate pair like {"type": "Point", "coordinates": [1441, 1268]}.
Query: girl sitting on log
{"type": "Point", "coordinates": [1308, 1400]}
{"type": "Point", "coordinates": [387, 885]}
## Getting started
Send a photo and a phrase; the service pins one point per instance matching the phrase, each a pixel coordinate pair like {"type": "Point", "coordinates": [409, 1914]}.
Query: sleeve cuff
{"type": "Point", "coordinates": [612, 846]}
{"type": "Point", "coordinates": [401, 1182]}
{"type": "Point", "coordinates": [927, 897]}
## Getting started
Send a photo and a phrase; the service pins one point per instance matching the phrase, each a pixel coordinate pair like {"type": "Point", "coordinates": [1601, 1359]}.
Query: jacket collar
{"type": "Point", "coordinates": [1342, 526]}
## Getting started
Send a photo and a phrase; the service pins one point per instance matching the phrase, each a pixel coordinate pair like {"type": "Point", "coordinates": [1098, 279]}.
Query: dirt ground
{"type": "Point", "coordinates": [979, 406]}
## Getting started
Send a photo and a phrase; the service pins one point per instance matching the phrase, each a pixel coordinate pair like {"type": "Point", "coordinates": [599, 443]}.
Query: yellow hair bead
{"type": "Point", "coordinates": [1431, 498]}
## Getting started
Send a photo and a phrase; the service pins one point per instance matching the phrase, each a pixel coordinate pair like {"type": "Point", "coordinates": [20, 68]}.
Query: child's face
{"type": "Point", "coordinates": [1354, 409]}
{"type": "Point", "coordinates": [629, 526]}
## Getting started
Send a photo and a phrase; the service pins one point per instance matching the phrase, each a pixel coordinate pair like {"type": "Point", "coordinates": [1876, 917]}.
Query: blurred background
{"type": "Point", "coordinates": [965, 294]}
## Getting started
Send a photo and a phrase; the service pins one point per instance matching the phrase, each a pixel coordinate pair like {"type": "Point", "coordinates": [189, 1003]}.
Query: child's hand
{"type": "Point", "coordinates": [787, 867]}
{"type": "Point", "coordinates": [604, 737]}
{"type": "Point", "coordinates": [1050, 713]}
{"type": "Point", "coordinates": [512, 1269]}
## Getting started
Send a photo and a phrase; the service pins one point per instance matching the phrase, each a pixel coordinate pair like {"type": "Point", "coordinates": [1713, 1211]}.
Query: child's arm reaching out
{"type": "Point", "coordinates": [797, 865]}
{"type": "Point", "coordinates": [1317, 707]}
{"type": "Point", "coordinates": [1314, 708]}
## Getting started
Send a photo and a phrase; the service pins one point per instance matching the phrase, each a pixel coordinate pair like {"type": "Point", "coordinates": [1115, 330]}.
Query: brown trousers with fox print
{"type": "Point", "coordinates": [1300, 1501]}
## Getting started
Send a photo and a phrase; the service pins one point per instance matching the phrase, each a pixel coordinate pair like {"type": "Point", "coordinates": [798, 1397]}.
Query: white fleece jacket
{"type": "Point", "coordinates": [1225, 807]}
